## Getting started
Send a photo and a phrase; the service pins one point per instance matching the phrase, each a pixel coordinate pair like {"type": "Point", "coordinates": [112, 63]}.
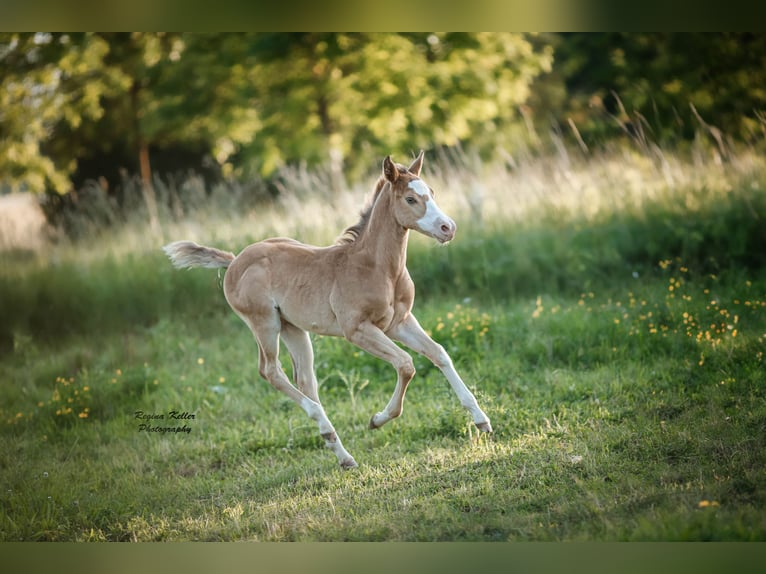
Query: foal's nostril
{"type": "Point", "coordinates": [446, 228]}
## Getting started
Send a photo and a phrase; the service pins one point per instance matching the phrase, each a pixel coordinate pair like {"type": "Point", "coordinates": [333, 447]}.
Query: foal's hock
{"type": "Point", "coordinates": [359, 288]}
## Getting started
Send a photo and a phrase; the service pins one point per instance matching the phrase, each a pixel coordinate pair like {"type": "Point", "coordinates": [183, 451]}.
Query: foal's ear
{"type": "Point", "coordinates": [417, 164]}
{"type": "Point", "coordinates": [389, 170]}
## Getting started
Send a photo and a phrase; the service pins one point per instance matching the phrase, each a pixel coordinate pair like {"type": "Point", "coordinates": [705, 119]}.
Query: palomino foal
{"type": "Point", "coordinates": [358, 288]}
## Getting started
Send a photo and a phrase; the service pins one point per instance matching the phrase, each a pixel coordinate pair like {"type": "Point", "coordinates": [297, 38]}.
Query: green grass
{"type": "Point", "coordinates": [619, 358]}
{"type": "Point", "coordinates": [603, 430]}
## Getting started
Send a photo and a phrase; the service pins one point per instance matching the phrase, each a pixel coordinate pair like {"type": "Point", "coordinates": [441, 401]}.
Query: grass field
{"type": "Point", "coordinates": [608, 312]}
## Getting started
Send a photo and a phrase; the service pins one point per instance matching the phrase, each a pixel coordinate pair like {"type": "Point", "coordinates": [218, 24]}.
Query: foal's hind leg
{"type": "Point", "coordinates": [298, 344]}
{"type": "Point", "coordinates": [267, 335]}
{"type": "Point", "coordinates": [412, 334]}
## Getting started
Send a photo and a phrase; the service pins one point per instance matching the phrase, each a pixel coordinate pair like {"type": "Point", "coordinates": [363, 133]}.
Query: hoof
{"type": "Point", "coordinates": [484, 427]}
{"type": "Point", "coordinates": [348, 464]}
{"type": "Point", "coordinates": [372, 424]}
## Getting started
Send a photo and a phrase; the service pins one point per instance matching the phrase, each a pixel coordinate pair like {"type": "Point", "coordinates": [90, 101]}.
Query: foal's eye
{"type": "Point", "coordinates": [411, 200]}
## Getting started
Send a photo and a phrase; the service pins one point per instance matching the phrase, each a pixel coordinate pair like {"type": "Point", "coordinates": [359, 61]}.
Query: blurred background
{"type": "Point", "coordinates": [101, 126]}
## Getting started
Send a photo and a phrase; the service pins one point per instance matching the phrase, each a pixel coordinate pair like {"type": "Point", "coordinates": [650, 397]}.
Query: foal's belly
{"type": "Point", "coordinates": [317, 319]}
{"type": "Point", "coordinates": [329, 330]}
{"type": "Point", "coordinates": [322, 321]}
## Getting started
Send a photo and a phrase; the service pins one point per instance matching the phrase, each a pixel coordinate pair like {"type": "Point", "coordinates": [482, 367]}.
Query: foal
{"type": "Point", "coordinates": [359, 288]}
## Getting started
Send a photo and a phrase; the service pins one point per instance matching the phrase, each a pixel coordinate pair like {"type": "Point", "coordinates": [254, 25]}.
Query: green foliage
{"type": "Point", "coordinates": [330, 97]}
{"type": "Point", "coordinates": [251, 102]}
{"type": "Point", "coordinates": [80, 106]}
{"type": "Point", "coordinates": [48, 82]}
{"type": "Point", "coordinates": [669, 85]}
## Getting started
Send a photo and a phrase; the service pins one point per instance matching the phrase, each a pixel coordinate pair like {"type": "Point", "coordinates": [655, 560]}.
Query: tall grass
{"type": "Point", "coordinates": [524, 225]}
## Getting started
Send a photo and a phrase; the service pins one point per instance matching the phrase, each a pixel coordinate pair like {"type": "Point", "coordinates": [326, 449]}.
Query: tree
{"type": "Point", "coordinates": [75, 98]}
{"type": "Point", "coordinates": [320, 96]}
{"type": "Point", "coordinates": [675, 81]}
{"type": "Point", "coordinates": [74, 104]}
{"type": "Point", "coordinates": [48, 83]}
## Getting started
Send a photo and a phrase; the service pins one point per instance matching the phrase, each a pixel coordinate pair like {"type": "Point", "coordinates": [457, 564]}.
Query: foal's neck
{"type": "Point", "coordinates": [384, 239]}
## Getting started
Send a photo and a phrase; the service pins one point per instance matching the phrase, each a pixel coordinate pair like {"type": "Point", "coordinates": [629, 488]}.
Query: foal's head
{"type": "Point", "coordinates": [414, 205]}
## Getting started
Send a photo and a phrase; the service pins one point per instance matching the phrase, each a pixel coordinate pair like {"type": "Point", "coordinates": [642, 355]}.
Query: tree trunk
{"type": "Point", "coordinates": [150, 198]}
{"type": "Point", "coordinates": [144, 165]}
{"type": "Point", "coordinates": [337, 181]}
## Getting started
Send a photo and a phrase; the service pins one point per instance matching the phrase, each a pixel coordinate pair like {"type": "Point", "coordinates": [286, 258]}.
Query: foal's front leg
{"type": "Point", "coordinates": [370, 338]}
{"type": "Point", "coordinates": [412, 334]}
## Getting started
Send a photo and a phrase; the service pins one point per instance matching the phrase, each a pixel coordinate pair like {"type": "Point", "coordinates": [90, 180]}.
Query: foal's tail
{"type": "Point", "coordinates": [189, 254]}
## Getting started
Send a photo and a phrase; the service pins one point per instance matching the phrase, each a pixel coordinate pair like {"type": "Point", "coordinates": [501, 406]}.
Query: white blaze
{"type": "Point", "coordinates": [434, 217]}
{"type": "Point", "coordinates": [419, 187]}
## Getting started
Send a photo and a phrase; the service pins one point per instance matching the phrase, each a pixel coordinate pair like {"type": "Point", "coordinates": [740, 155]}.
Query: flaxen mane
{"type": "Point", "coordinates": [353, 232]}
